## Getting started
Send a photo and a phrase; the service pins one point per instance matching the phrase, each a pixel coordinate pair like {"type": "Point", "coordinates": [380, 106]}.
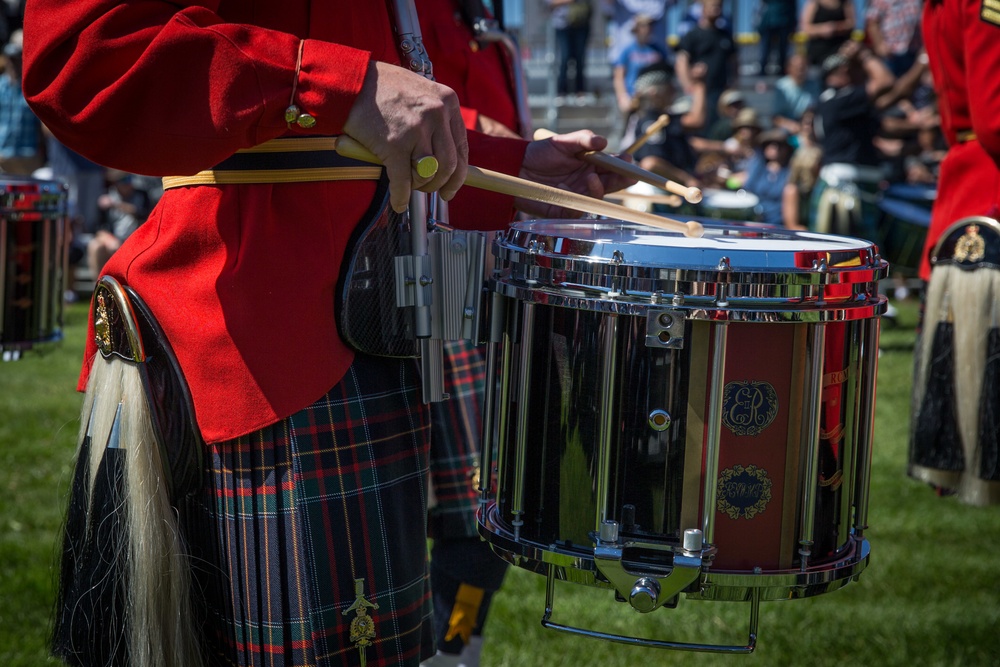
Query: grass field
{"type": "Point", "coordinates": [930, 596]}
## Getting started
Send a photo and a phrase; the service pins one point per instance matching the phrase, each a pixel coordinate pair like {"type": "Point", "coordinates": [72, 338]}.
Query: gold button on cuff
{"type": "Point", "coordinates": [293, 114]}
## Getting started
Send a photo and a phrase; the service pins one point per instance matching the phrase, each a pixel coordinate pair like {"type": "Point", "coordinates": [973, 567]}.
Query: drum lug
{"type": "Point", "coordinates": [665, 329]}
{"type": "Point", "coordinates": [646, 592]}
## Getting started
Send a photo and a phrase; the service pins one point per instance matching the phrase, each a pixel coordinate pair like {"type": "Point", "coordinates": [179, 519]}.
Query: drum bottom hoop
{"type": "Point", "coordinates": [728, 586]}
{"type": "Point", "coordinates": [19, 345]}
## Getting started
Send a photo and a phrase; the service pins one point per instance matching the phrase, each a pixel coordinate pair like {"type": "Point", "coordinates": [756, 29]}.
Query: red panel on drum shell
{"type": "Point", "coordinates": [760, 406]}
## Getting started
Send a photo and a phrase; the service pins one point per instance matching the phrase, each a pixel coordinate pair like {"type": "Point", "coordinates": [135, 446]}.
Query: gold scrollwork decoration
{"type": "Point", "coordinates": [744, 491]}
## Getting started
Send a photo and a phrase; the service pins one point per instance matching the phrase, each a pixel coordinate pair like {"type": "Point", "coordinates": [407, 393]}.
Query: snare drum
{"type": "Point", "coordinates": [33, 252]}
{"type": "Point", "coordinates": [729, 204]}
{"type": "Point", "coordinates": [677, 415]}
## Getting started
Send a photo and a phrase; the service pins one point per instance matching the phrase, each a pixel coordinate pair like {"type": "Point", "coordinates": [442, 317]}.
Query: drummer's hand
{"type": "Point", "coordinates": [554, 162]}
{"type": "Point", "coordinates": [402, 117]}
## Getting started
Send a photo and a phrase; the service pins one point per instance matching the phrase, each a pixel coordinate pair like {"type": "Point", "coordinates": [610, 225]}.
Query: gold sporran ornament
{"type": "Point", "coordinates": [971, 247]}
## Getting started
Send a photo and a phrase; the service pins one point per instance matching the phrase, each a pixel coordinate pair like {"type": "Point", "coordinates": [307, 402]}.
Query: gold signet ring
{"type": "Point", "coordinates": [426, 167]}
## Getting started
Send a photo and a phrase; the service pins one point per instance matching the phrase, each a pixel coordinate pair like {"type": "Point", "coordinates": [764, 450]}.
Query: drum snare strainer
{"type": "Point", "coordinates": [674, 415]}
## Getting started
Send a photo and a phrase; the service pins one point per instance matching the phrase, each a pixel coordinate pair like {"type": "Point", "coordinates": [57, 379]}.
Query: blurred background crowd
{"type": "Point", "coordinates": [812, 114]}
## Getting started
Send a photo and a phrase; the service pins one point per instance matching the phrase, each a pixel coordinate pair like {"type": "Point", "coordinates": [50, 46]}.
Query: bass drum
{"type": "Point", "coordinates": [677, 415]}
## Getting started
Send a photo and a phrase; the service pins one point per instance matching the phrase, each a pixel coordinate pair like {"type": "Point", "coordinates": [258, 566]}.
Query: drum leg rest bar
{"type": "Point", "coordinates": [653, 643]}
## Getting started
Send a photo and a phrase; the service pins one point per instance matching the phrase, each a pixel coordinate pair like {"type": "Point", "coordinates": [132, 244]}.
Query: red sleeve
{"type": "Point", "coordinates": [178, 87]}
{"type": "Point", "coordinates": [480, 209]}
{"type": "Point", "coordinates": [981, 42]}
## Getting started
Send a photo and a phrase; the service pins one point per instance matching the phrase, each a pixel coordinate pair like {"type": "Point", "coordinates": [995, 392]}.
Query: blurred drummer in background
{"type": "Point", "coordinates": [668, 151]}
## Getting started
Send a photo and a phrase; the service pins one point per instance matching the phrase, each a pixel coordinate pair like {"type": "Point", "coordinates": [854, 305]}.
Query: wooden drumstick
{"type": "Point", "coordinates": [625, 195]}
{"type": "Point", "coordinates": [485, 179]}
{"type": "Point", "coordinates": [656, 126]}
{"type": "Point", "coordinates": [619, 166]}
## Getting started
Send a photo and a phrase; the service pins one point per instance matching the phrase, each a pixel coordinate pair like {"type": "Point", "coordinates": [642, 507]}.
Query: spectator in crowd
{"type": "Point", "coordinates": [911, 126]}
{"type": "Point", "coordinates": [857, 82]}
{"type": "Point", "coordinates": [712, 45]}
{"type": "Point", "coordinates": [693, 15]}
{"type": "Point", "coordinates": [893, 31]}
{"type": "Point", "coordinates": [668, 151]}
{"type": "Point", "coordinates": [123, 208]}
{"type": "Point", "coordinates": [826, 24]}
{"type": "Point", "coordinates": [722, 164]}
{"type": "Point", "coordinates": [571, 20]}
{"type": "Point", "coordinates": [619, 16]}
{"type": "Point", "coordinates": [776, 25]}
{"type": "Point", "coordinates": [793, 93]}
{"type": "Point", "coordinates": [85, 180]}
{"type": "Point", "coordinates": [638, 55]}
{"type": "Point", "coordinates": [805, 162]}
{"type": "Point", "coordinates": [731, 102]}
{"type": "Point", "coordinates": [21, 148]}
{"type": "Point", "coordinates": [767, 176]}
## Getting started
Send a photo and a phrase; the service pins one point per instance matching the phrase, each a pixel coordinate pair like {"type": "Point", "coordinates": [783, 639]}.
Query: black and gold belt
{"type": "Point", "coordinates": [965, 136]}
{"type": "Point", "coordinates": [291, 160]}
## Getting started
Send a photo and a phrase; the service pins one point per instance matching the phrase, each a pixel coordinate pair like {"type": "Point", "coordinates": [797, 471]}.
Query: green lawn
{"type": "Point", "coordinates": [930, 596]}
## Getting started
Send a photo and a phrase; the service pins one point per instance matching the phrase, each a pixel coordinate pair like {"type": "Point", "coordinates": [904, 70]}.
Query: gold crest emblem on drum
{"type": "Point", "coordinates": [749, 407]}
{"type": "Point", "coordinates": [743, 491]}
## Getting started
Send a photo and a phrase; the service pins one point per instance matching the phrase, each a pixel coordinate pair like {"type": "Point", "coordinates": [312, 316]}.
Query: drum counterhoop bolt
{"type": "Point", "coordinates": [724, 264]}
{"type": "Point", "coordinates": [609, 531]}
{"type": "Point", "coordinates": [693, 541]}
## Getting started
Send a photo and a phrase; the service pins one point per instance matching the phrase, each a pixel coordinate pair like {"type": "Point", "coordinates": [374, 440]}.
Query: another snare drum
{"type": "Point", "coordinates": [739, 205]}
{"type": "Point", "coordinates": [677, 415]}
{"type": "Point", "coordinates": [33, 247]}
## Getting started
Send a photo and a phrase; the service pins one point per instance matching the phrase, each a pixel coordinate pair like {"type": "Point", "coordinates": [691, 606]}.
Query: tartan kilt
{"type": "Point", "coordinates": [456, 431]}
{"type": "Point", "coordinates": [309, 536]}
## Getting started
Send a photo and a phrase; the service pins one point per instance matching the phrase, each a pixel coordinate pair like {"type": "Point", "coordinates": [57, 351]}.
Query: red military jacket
{"type": "Point", "coordinates": [241, 278]}
{"type": "Point", "coordinates": [962, 38]}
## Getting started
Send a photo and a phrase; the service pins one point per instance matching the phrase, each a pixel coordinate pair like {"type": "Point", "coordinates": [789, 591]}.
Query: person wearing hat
{"type": "Point", "coordinates": [731, 102]}
{"type": "Point", "coordinates": [639, 54]}
{"type": "Point", "coordinates": [847, 123]}
{"type": "Point", "coordinates": [667, 151]}
{"type": "Point", "coordinates": [20, 130]}
{"type": "Point", "coordinates": [767, 176]}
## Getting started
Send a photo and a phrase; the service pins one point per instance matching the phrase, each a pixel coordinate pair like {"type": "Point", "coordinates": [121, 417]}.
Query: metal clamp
{"type": "Point", "coordinates": [647, 592]}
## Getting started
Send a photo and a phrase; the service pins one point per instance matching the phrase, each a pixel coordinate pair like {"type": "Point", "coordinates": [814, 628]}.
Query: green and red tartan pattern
{"type": "Point", "coordinates": [294, 514]}
{"type": "Point", "coordinates": [456, 430]}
